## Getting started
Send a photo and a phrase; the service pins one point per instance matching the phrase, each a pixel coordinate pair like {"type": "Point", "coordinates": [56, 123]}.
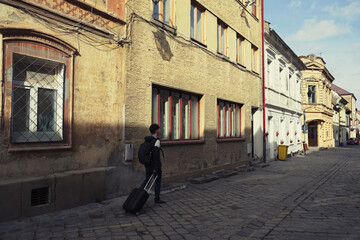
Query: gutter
{"type": "Point", "coordinates": [263, 78]}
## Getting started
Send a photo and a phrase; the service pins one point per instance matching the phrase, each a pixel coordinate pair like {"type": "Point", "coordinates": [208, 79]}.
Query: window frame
{"type": "Point", "coordinates": [23, 42]}
{"type": "Point", "coordinates": [228, 132]}
{"type": "Point", "coordinates": [314, 94]}
{"type": "Point", "coordinates": [222, 25]}
{"type": "Point", "coordinates": [198, 7]}
{"type": "Point", "coordinates": [254, 58]}
{"type": "Point", "coordinates": [170, 132]}
{"type": "Point", "coordinates": [240, 41]}
{"type": "Point", "coordinates": [254, 9]}
{"type": "Point", "coordinates": [161, 12]}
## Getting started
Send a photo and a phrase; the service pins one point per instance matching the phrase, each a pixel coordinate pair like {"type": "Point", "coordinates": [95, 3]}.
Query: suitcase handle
{"type": "Point", "coordinates": [150, 183]}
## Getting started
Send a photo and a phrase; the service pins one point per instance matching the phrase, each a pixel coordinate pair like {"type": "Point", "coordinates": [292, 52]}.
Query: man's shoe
{"type": "Point", "coordinates": [159, 202]}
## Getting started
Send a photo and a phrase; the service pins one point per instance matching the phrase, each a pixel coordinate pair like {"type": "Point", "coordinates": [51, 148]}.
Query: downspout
{"type": "Point", "coordinates": [263, 79]}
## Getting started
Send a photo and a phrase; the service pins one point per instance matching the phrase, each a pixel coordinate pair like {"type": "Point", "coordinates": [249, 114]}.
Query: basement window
{"type": "Point", "coordinates": [40, 196]}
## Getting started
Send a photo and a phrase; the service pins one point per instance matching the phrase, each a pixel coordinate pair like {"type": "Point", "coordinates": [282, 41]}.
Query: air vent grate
{"type": "Point", "coordinates": [39, 196]}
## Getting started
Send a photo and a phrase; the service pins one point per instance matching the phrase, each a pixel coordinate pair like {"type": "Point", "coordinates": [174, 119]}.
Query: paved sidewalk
{"type": "Point", "coordinates": [312, 197]}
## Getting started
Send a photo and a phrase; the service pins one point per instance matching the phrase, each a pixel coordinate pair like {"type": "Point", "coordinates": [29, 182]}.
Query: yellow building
{"type": "Point", "coordinates": [194, 67]}
{"type": "Point", "coordinates": [61, 103]}
{"type": "Point", "coordinates": [316, 98]}
{"type": "Point", "coordinates": [81, 81]}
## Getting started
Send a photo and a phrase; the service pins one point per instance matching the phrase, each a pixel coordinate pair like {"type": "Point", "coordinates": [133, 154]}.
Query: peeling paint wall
{"type": "Point", "coordinates": [97, 111]}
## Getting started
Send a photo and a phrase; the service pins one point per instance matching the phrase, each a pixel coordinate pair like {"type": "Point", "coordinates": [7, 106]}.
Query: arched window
{"type": "Point", "coordinates": [37, 109]}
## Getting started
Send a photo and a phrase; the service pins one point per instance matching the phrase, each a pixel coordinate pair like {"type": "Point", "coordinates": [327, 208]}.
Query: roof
{"type": "Point", "coordinates": [341, 91]}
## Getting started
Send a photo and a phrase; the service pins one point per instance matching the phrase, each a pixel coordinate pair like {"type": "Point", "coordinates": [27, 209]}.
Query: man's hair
{"type": "Point", "coordinates": [153, 128]}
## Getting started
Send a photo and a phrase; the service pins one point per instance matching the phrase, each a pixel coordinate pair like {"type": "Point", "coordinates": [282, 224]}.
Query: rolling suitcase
{"type": "Point", "coordinates": [138, 197]}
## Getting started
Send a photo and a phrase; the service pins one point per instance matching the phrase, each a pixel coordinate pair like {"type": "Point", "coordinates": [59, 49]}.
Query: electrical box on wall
{"type": "Point", "coordinates": [129, 152]}
{"type": "Point", "coordinates": [249, 148]}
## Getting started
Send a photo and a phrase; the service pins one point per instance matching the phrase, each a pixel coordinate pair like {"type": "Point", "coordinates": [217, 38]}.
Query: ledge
{"type": "Point", "coordinates": [221, 140]}
{"type": "Point", "coordinates": [37, 147]}
{"type": "Point", "coordinates": [182, 142]}
{"type": "Point", "coordinates": [198, 42]}
{"type": "Point", "coordinates": [164, 26]}
{"type": "Point", "coordinates": [240, 65]}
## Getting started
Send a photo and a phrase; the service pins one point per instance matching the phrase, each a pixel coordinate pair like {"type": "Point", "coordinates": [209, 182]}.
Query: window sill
{"type": "Point", "coordinates": [223, 56]}
{"type": "Point", "coordinates": [255, 72]}
{"type": "Point", "coordinates": [182, 142]}
{"type": "Point", "coordinates": [221, 140]}
{"type": "Point", "coordinates": [164, 26]}
{"type": "Point", "coordinates": [198, 42]}
{"type": "Point", "coordinates": [37, 147]}
{"type": "Point", "coordinates": [241, 65]}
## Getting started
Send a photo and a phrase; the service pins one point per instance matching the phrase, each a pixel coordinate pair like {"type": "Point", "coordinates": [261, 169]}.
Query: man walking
{"type": "Point", "coordinates": [154, 167]}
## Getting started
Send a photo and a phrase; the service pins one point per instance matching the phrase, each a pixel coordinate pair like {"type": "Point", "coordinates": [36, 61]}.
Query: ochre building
{"type": "Point", "coordinates": [316, 98]}
{"type": "Point", "coordinates": [81, 81]}
{"type": "Point", "coordinates": [61, 99]}
{"type": "Point", "coordinates": [194, 67]}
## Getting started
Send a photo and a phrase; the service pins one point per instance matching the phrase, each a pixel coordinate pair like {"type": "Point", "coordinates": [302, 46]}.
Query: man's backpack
{"type": "Point", "coordinates": [145, 152]}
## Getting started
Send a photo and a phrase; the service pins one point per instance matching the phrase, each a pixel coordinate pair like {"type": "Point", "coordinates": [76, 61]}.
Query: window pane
{"type": "Point", "coordinates": [238, 121]}
{"type": "Point", "coordinates": [228, 126]}
{"type": "Point", "coordinates": [233, 120]}
{"type": "Point", "coordinates": [167, 11]}
{"type": "Point", "coordinates": [42, 114]}
{"type": "Point", "coordinates": [175, 115]}
{"type": "Point", "coordinates": [154, 105]}
{"type": "Point", "coordinates": [164, 114]}
{"type": "Point", "coordinates": [194, 117]}
{"type": "Point", "coordinates": [156, 12]}
{"type": "Point", "coordinates": [199, 26]}
{"type": "Point", "coordinates": [186, 116]}
{"type": "Point", "coordinates": [21, 110]}
{"type": "Point", "coordinates": [192, 21]}
{"type": "Point", "coordinates": [222, 40]}
{"type": "Point", "coordinates": [222, 115]}
{"type": "Point", "coordinates": [46, 110]}
{"type": "Point", "coordinates": [218, 37]}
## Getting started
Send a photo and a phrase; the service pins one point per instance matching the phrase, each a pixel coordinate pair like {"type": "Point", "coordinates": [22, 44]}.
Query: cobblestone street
{"type": "Point", "coordinates": [312, 197]}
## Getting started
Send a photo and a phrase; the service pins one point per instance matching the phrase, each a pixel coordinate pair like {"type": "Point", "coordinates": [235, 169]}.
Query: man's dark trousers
{"type": "Point", "coordinates": [149, 172]}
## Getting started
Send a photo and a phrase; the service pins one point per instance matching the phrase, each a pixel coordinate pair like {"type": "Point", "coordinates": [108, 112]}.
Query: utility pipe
{"type": "Point", "coordinates": [263, 80]}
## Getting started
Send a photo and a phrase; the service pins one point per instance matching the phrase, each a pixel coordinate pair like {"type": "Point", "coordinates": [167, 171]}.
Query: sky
{"type": "Point", "coordinates": [327, 28]}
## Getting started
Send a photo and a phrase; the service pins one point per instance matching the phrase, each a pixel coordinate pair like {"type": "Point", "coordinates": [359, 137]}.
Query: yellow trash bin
{"type": "Point", "coordinates": [282, 152]}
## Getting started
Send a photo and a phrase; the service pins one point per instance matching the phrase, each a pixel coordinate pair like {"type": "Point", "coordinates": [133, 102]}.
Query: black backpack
{"type": "Point", "coordinates": [145, 152]}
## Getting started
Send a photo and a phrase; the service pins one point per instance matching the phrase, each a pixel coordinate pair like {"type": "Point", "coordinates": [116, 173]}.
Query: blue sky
{"type": "Point", "coordinates": [328, 28]}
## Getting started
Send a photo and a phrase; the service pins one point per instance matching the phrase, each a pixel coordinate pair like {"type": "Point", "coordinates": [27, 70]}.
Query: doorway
{"type": "Point", "coordinates": [313, 134]}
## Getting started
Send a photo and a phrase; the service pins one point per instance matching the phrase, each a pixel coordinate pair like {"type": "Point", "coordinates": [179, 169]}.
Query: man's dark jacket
{"type": "Point", "coordinates": [155, 162]}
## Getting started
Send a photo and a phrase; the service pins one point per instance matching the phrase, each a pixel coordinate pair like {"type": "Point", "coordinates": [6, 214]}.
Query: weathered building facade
{"type": "Point", "coordinates": [316, 102]}
{"type": "Point", "coordinates": [282, 95]}
{"type": "Point", "coordinates": [351, 105]}
{"type": "Point", "coordinates": [340, 119]}
{"type": "Point", "coordinates": [83, 80]}
{"type": "Point", "coordinates": [62, 85]}
{"type": "Point", "coordinates": [194, 67]}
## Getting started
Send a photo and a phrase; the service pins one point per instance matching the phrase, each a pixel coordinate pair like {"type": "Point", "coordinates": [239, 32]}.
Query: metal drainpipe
{"type": "Point", "coordinates": [263, 78]}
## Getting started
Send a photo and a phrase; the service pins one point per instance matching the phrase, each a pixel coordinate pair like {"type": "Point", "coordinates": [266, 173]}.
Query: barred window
{"type": "Point", "coordinates": [37, 100]}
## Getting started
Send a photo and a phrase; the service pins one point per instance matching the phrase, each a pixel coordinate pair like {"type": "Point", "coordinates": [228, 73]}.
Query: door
{"type": "Point", "coordinates": [312, 134]}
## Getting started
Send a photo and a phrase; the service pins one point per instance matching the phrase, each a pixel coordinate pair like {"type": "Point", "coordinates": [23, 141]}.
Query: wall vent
{"type": "Point", "coordinates": [39, 196]}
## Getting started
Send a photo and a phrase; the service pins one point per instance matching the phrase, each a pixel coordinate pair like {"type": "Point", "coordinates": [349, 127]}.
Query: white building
{"type": "Point", "coordinates": [282, 95]}
{"type": "Point", "coordinates": [340, 119]}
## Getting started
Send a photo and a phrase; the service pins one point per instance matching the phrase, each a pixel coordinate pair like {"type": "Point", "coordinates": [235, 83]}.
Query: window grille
{"type": "Point", "coordinates": [37, 100]}
{"type": "Point", "coordinates": [40, 196]}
